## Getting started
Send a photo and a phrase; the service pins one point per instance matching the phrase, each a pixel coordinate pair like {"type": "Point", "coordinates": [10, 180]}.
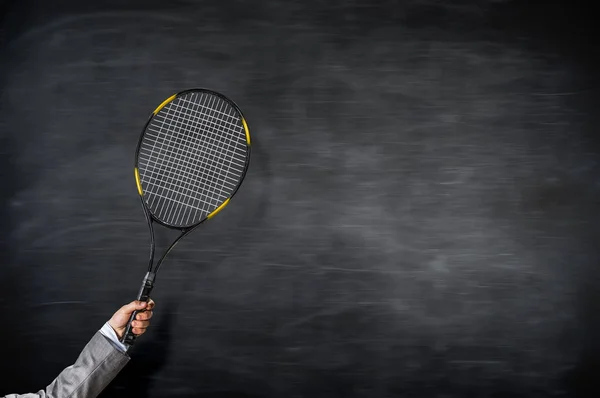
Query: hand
{"type": "Point", "coordinates": [142, 320]}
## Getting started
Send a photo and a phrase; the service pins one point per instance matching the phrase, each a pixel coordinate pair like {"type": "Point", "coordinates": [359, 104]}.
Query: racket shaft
{"type": "Point", "coordinates": [143, 295]}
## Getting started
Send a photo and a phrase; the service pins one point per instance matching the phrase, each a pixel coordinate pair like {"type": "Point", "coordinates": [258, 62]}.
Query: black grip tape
{"type": "Point", "coordinates": [144, 295]}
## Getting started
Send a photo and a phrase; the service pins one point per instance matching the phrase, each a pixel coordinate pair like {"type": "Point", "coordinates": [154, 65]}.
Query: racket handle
{"type": "Point", "coordinates": [144, 295]}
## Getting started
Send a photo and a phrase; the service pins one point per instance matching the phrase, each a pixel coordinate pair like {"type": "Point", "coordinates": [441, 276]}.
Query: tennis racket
{"type": "Point", "coordinates": [190, 161]}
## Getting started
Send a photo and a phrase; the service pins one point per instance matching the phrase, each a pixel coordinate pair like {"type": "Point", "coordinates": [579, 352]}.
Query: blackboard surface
{"type": "Point", "coordinates": [419, 218]}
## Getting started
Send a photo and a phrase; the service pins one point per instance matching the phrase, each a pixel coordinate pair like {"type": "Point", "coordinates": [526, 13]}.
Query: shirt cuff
{"type": "Point", "coordinates": [111, 335]}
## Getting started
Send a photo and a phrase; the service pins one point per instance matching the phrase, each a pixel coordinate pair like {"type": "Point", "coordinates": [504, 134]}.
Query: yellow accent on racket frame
{"type": "Point", "coordinates": [137, 181]}
{"type": "Point", "coordinates": [218, 209]}
{"type": "Point", "coordinates": [165, 102]}
{"type": "Point", "coordinates": [247, 131]}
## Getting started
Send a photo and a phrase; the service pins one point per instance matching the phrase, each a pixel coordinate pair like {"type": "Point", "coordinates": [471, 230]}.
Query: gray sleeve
{"type": "Point", "coordinates": [96, 367]}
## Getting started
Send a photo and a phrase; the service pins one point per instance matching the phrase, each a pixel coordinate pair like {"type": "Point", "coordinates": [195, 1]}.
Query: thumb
{"type": "Point", "coordinates": [133, 306]}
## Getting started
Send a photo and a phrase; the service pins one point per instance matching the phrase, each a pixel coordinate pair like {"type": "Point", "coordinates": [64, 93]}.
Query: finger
{"type": "Point", "coordinates": [138, 331]}
{"type": "Point", "coordinates": [140, 324]}
{"type": "Point", "coordinates": [143, 316]}
{"type": "Point", "coordinates": [151, 304]}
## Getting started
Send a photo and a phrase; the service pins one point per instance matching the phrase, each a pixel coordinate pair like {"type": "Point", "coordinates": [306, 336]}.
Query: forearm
{"type": "Point", "coordinates": [97, 365]}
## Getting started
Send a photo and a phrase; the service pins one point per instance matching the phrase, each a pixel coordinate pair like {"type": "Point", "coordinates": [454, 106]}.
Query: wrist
{"type": "Point", "coordinates": [118, 331]}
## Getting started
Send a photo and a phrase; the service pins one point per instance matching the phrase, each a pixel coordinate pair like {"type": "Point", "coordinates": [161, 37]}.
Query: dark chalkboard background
{"type": "Point", "coordinates": [419, 218]}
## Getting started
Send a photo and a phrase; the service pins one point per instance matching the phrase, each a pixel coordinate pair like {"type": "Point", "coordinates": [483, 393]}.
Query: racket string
{"type": "Point", "coordinates": [202, 156]}
{"type": "Point", "coordinates": [174, 176]}
{"type": "Point", "coordinates": [228, 145]}
{"type": "Point", "coordinates": [185, 173]}
{"type": "Point", "coordinates": [161, 182]}
{"type": "Point", "coordinates": [204, 159]}
{"type": "Point", "coordinates": [190, 162]}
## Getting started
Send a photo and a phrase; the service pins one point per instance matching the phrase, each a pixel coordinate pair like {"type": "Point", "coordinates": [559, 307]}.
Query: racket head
{"type": "Point", "coordinates": [191, 158]}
